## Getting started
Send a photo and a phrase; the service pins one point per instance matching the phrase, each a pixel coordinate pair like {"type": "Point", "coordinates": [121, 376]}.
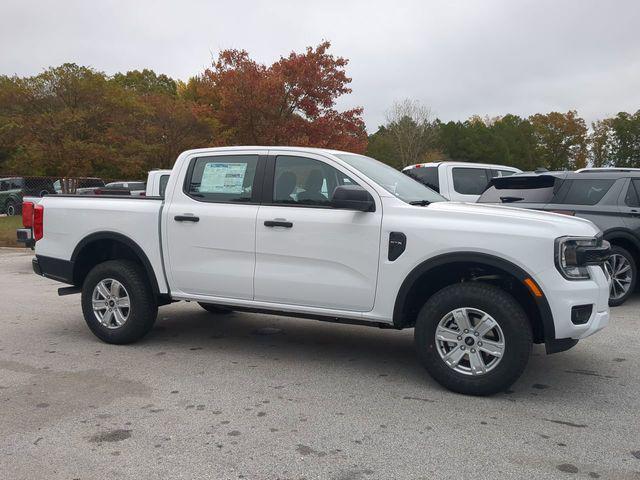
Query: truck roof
{"type": "Point", "coordinates": [271, 147]}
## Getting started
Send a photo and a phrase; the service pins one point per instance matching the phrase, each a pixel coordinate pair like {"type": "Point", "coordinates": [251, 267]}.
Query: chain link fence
{"type": "Point", "coordinates": [13, 188]}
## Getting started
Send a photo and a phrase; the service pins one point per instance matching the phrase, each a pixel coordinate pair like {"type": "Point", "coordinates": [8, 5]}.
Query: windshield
{"type": "Point", "coordinates": [397, 183]}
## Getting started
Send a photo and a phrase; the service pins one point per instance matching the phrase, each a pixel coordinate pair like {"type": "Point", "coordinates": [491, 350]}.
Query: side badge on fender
{"type": "Point", "coordinates": [397, 244]}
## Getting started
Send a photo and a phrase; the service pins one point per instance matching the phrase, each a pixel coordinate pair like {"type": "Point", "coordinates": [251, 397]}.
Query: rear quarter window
{"type": "Point", "coordinates": [470, 181]}
{"type": "Point", "coordinates": [164, 179]}
{"type": "Point", "coordinates": [585, 192]}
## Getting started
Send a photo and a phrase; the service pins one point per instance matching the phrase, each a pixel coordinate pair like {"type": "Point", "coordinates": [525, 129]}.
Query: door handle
{"type": "Point", "coordinates": [277, 223]}
{"type": "Point", "coordinates": [186, 218]}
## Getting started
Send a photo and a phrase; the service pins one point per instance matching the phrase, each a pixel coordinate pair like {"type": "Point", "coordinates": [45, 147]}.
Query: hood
{"type": "Point", "coordinates": [565, 224]}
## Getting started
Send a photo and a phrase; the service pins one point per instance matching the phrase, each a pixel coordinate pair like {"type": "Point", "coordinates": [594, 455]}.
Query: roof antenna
{"type": "Point", "coordinates": [540, 170]}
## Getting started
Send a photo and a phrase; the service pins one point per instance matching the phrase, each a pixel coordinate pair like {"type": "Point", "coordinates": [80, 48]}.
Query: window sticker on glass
{"type": "Point", "coordinates": [223, 177]}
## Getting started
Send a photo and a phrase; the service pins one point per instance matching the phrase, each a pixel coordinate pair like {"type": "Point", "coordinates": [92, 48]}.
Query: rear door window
{"type": "Point", "coordinates": [515, 189]}
{"type": "Point", "coordinates": [227, 178]}
{"type": "Point", "coordinates": [470, 181]}
{"type": "Point", "coordinates": [585, 192]}
{"type": "Point", "coordinates": [426, 175]}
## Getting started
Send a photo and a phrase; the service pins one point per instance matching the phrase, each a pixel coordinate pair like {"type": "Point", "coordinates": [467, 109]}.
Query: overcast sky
{"type": "Point", "coordinates": [458, 57]}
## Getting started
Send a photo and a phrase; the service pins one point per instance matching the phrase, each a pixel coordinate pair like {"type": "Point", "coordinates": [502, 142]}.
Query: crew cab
{"type": "Point", "coordinates": [334, 236]}
{"type": "Point", "coordinates": [458, 181]}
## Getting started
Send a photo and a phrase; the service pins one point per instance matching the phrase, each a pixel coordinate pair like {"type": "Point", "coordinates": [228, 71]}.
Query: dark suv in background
{"type": "Point", "coordinates": [12, 190]}
{"type": "Point", "coordinates": [610, 200]}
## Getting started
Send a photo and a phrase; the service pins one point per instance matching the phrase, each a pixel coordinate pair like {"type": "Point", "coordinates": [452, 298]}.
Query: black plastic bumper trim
{"type": "Point", "coordinates": [54, 268]}
{"type": "Point", "coordinates": [559, 345]}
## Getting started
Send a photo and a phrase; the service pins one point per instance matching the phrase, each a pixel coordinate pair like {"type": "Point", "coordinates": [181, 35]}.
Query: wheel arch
{"type": "Point", "coordinates": [438, 272]}
{"type": "Point", "coordinates": [102, 246]}
{"type": "Point", "coordinates": [625, 239]}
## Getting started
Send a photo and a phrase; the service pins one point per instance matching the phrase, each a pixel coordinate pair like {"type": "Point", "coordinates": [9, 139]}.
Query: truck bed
{"type": "Point", "coordinates": [73, 220]}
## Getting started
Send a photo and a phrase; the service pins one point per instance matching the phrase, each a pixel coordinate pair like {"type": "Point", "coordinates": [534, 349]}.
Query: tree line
{"type": "Point", "coordinates": [555, 141]}
{"type": "Point", "coordinates": [74, 120]}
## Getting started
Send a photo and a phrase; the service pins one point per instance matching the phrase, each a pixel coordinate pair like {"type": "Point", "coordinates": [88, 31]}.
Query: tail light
{"type": "Point", "coordinates": [38, 222]}
{"type": "Point", "coordinates": [27, 214]}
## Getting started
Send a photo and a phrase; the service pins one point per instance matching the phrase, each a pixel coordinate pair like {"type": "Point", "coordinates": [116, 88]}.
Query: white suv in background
{"type": "Point", "coordinates": [458, 181]}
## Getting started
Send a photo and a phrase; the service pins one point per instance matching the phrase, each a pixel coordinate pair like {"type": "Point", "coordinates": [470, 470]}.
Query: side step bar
{"type": "Point", "coordinates": [68, 290]}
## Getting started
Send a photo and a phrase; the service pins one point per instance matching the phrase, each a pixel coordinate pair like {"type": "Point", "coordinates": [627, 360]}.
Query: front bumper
{"type": "Point", "coordinates": [562, 295]}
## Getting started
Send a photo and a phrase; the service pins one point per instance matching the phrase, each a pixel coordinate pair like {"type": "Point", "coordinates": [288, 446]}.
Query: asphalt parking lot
{"type": "Point", "coordinates": [261, 397]}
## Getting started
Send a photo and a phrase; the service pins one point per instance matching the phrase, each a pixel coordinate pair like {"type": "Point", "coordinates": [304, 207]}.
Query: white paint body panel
{"type": "Point", "coordinates": [328, 259]}
{"type": "Point", "coordinates": [153, 182]}
{"type": "Point", "coordinates": [332, 262]}
{"type": "Point", "coordinates": [68, 220]}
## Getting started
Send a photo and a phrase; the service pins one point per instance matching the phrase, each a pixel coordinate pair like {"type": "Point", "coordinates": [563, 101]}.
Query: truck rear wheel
{"type": "Point", "coordinates": [117, 302]}
{"type": "Point", "coordinates": [473, 338]}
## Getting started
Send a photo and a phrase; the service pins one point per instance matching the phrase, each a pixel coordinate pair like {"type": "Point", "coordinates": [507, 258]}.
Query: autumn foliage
{"type": "Point", "coordinates": [288, 103]}
{"type": "Point", "coordinates": [76, 121]}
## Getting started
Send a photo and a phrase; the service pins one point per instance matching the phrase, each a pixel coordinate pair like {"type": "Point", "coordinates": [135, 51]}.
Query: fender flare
{"type": "Point", "coordinates": [472, 257]}
{"type": "Point", "coordinates": [118, 237]}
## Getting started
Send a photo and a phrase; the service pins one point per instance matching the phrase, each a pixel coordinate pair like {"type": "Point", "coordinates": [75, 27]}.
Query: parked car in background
{"type": "Point", "coordinates": [611, 200]}
{"type": "Point", "coordinates": [13, 189]}
{"type": "Point", "coordinates": [336, 236]}
{"type": "Point", "coordinates": [157, 182]}
{"type": "Point", "coordinates": [78, 186]}
{"type": "Point", "coordinates": [457, 181]}
{"type": "Point", "coordinates": [135, 189]}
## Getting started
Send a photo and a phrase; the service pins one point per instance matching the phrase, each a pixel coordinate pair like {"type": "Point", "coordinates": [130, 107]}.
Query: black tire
{"type": "Point", "coordinates": [504, 309]}
{"type": "Point", "coordinates": [12, 209]}
{"type": "Point", "coordinates": [143, 305]}
{"type": "Point", "coordinates": [616, 250]}
{"type": "Point", "coordinates": [217, 309]}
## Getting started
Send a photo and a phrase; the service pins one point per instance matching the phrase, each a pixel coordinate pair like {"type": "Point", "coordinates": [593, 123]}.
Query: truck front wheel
{"type": "Point", "coordinates": [117, 302]}
{"type": "Point", "coordinates": [473, 338]}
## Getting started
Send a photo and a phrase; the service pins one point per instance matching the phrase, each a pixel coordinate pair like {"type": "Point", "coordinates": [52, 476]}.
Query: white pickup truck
{"type": "Point", "coordinates": [334, 236]}
{"type": "Point", "coordinates": [458, 181]}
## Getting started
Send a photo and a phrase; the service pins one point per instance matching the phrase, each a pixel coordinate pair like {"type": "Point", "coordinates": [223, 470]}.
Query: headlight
{"type": "Point", "coordinates": [567, 257]}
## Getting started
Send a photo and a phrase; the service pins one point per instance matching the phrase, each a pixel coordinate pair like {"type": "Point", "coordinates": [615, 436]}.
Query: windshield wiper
{"type": "Point", "coordinates": [510, 199]}
{"type": "Point", "coordinates": [421, 203]}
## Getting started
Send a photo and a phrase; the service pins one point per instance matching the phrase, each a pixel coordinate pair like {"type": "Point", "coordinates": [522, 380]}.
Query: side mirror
{"type": "Point", "coordinates": [353, 197]}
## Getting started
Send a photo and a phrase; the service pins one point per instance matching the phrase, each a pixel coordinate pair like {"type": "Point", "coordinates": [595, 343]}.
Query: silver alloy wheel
{"type": "Point", "coordinates": [11, 210]}
{"type": "Point", "coordinates": [110, 301]}
{"type": "Point", "coordinates": [620, 272]}
{"type": "Point", "coordinates": [470, 341]}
